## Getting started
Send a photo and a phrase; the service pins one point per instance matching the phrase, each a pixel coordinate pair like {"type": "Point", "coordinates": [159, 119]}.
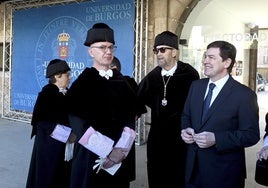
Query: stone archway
{"type": "Point", "coordinates": [166, 15]}
{"type": "Point", "coordinates": [172, 15]}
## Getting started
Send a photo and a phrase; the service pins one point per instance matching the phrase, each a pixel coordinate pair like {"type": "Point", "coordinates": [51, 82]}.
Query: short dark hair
{"type": "Point", "coordinates": [227, 50]}
{"type": "Point", "coordinates": [116, 63]}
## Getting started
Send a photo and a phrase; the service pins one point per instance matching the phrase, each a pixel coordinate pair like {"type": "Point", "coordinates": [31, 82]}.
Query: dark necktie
{"type": "Point", "coordinates": [207, 100]}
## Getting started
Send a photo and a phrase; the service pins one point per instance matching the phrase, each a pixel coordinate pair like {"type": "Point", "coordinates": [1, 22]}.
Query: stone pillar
{"type": "Point", "coordinates": [253, 53]}
{"type": "Point", "coordinates": [163, 15]}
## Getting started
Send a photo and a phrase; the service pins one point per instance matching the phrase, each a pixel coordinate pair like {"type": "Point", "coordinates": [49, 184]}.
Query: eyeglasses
{"type": "Point", "coordinates": [162, 50]}
{"type": "Point", "coordinates": [105, 48]}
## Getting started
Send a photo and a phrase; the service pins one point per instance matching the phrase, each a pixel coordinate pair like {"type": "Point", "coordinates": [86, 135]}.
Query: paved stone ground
{"type": "Point", "coordinates": [16, 148]}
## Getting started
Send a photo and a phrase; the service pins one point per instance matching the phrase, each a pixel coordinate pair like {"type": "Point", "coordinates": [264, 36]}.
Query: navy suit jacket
{"type": "Point", "coordinates": [234, 119]}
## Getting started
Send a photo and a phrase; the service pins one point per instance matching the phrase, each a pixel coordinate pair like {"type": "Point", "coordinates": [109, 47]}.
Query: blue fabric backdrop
{"type": "Point", "coordinates": [44, 33]}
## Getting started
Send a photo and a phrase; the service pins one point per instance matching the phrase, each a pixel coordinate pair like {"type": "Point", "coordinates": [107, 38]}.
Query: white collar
{"type": "Point", "coordinates": [169, 72]}
{"type": "Point", "coordinates": [106, 74]}
{"type": "Point", "coordinates": [63, 90]}
{"type": "Point", "coordinates": [220, 83]}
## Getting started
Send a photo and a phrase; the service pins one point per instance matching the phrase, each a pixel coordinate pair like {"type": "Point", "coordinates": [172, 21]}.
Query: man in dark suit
{"type": "Point", "coordinates": [216, 144]}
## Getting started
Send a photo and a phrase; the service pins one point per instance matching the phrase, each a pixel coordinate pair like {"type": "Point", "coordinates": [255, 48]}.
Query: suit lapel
{"type": "Point", "coordinates": [219, 100]}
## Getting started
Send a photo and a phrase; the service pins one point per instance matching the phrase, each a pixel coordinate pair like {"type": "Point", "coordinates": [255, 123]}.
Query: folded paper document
{"type": "Point", "coordinates": [112, 170]}
{"type": "Point", "coordinates": [103, 145]}
{"type": "Point", "coordinates": [127, 138]}
{"type": "Point", "coordinates": [97, 142]}
{"type": "Point", "coordinates": [61, 133]}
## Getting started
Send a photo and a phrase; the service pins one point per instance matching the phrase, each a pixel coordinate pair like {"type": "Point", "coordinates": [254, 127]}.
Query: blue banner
{"type": "Point", "coordinates": [45, 33]}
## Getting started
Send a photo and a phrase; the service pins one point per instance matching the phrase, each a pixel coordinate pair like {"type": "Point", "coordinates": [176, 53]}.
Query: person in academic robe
{"type": "Point", "coordinates": [261, 168]}
{"type": "Point", "coordinates": [263, 153]}
{"type": "Point", "coordinates": [48, 169]}
{"type": "Point", "coordinates": [116, 64]}
{"type": "Point", "coordinates": [164, 91]}
{"type": "Point", "coordinates": [218, 130]}
{"type": "Point", "coordinates": [102, 100]}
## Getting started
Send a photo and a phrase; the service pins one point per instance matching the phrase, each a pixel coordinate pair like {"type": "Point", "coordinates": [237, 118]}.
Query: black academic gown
{"type": "Point", "coordinates": [266, 127]}
{"type": "Point", "coordinates": [47, 167]}
{"type": "Point", "coordinates": [165, 148]}
{"type": "Point", "coordinates": [108, 106]}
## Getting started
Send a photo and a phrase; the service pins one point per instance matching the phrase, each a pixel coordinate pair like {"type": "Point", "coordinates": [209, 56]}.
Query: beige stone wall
{"type": "Point", "coordinates": [163, 15]}
{"type": "Point", "coordinates": [1, 21]}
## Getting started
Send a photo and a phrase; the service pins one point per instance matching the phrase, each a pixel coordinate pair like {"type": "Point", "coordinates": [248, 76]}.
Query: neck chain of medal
{"type": "Point", "coordinates": [164, 100]}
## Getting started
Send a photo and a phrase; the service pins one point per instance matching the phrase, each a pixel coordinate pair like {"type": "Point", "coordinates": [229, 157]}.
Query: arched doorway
{"type": "Point", "coordinates": [239, 22]}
